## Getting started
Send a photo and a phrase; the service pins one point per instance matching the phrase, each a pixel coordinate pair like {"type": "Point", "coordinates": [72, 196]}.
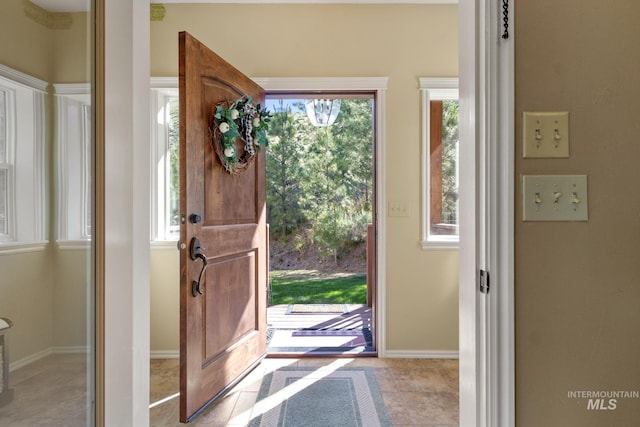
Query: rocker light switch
{"type": "Point", "coordinates": [554, 198]}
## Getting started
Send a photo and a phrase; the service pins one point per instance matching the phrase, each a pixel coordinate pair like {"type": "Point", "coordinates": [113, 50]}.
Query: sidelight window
{"type": "Point", "coordinates": [440, 170]}
{"type": "Point", "coordinates": [165, 136]}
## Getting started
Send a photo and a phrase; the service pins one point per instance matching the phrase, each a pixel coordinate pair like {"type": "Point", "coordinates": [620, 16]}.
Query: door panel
{"type": "Point", "coordinates": [222, 331]}
{"type": "Point", "coordinates": [230, 305]}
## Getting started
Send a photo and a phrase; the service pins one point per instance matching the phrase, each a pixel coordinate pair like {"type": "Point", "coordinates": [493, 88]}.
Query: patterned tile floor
{"type": "Point", "coordinates": [417, 392]}
{"type": "Point", "coordinates": [52, 392]}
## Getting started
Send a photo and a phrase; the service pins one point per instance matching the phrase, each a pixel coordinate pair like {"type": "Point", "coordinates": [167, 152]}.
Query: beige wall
{"type": "Point", "coordinates": [26, 295]}
{"type": "Point", "coordinates": [339, 41]}
{"type": "Point", "coordinates": [45, 292]}
{"type": "Point", "coordinates": [71, 52]}
{"type": "Point", "coordinates": [577, 284]}
{"type": "Point", "coordinates": [165, 299]}
{"type": "Point", "coordinates": [70, 298]}
{"type": "Point", "coordinates": [25, 36]}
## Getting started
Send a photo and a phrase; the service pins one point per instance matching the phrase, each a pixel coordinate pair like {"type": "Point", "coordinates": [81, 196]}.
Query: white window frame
{"type": "Point", "coordinates": [162, 88]}
{"type": "Point", "coordinates": [433, 89]}
{"type": "Point", "coordinates": [25, 163]}
{"type": "Point", "coordinates": [7, 165]}
{"type": "Point", "coordinates": [74, 161]}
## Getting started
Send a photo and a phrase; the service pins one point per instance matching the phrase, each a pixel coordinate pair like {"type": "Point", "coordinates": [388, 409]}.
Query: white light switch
{"type": "Point", "coordinates": [399, 209]}
{"type": "Point", "coordinates": [555, 198]}
{"type": "Point", "coordinates": [545, 135]}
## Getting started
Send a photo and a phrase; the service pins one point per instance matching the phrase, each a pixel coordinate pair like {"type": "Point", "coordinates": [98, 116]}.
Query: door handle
{"type": "Point", "coordinates": [196, 252]}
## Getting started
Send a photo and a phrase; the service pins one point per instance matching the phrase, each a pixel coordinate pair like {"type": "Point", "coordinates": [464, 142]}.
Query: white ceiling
{"type": "Point", "coordinates": [59, 6]}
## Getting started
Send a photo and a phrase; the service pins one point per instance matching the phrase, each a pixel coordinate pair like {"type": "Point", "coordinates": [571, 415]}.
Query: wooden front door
{"type": "Point", "coordinates": [223, 227]}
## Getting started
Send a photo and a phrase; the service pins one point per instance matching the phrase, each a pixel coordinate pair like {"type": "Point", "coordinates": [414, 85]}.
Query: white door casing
{"type": "Point", "coordinates": [486, 205]}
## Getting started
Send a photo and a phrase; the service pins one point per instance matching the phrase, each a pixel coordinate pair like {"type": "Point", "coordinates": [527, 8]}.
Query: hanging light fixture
{"type": "Point", "coordinates": [322, 112]}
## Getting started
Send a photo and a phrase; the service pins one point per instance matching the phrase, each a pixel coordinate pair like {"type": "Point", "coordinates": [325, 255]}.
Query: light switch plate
{"type": "Point", "coordinates": [555, 198]}
{"type": "Point", "coordinates": [545, 135]}
{"type": "Point", "coordinates": [399, 209]}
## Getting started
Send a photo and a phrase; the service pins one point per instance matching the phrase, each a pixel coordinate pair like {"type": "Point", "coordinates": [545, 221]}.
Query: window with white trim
{"type": "Point", "coordinates": [74, 157]}
{"type": "Point", "coordinates": [4, 168]}
{"type": "Point", "coordinates": [22, 135]}
{"type": "Point", "coordinates": [165, 200]}
{"type": "Point", "coordinates": [440, 171]}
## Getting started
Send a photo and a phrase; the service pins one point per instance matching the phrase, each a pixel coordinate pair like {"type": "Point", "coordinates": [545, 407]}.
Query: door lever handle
{"type": "Point", "coordinates": [196, 253]}
{"type": "Point", "coordinates": [195, 285]}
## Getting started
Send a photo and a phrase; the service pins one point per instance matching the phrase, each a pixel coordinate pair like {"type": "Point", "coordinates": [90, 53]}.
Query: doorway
{"type": "Point", "coordinates": [321, 210]}
{"type": "Point", "coordinates": [121, 334]}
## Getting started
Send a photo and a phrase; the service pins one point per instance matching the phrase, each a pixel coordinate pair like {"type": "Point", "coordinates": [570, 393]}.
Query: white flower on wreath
{"type": "Point", "coordinates": [224, 127]}
{"type": "Point", "coordinates": [256, 122]}
{"type": "Point", "coordinates": [235, 114]}
{"type": "Point", "coordinates": [229, 152]}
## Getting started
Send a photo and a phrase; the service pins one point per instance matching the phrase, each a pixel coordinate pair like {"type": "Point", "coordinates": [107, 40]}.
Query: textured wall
{"type": "Point", "coordinates": [578, 284]}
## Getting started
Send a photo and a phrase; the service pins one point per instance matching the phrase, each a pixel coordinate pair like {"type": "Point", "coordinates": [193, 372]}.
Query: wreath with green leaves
{"type": "Point", "coordinates": [238, 130]}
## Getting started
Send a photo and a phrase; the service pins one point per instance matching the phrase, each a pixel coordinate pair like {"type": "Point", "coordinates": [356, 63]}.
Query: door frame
{"type": "Point", "coordinates": [122, 62]}
{"type": "Point", "coordinates": [377, 85]}
{"type": "Point", "coordinates": [487, 352]}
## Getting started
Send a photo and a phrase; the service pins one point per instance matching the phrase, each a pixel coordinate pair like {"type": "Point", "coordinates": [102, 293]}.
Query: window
{"type": "Point", "coordinates": [440, 149]}
{"type": "Point", "coordinates": [73, 145]}
{"type": "Point", "coordinates": [4, 168]}
{"type": "Point", "coordinates": [22, 135]}
{"type": "Point", "coordinates": [165, 135]}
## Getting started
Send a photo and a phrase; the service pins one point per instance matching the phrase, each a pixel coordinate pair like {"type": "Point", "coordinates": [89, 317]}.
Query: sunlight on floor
{"type": "Point", "coordinates": [416, 392]}
{"type": "Point", "coordinates": [276, 399]}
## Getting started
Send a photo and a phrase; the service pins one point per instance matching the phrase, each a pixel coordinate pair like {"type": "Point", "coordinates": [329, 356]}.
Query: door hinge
{"type": "Point", "coordinates": [485, 282]}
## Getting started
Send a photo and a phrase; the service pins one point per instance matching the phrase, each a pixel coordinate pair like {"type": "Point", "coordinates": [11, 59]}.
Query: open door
{"type": "Point", "coordinates": [223, 238]}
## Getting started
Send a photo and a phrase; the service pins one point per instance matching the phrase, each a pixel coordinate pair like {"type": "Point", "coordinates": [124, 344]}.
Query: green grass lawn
{"type": "Point", "coordinates": [310, 287]}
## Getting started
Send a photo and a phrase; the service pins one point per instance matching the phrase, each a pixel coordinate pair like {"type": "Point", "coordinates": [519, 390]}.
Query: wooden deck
{"type": "Point", "coordinates": [320, 333]}
{"type": "Point", "coordinates": [357, 317]}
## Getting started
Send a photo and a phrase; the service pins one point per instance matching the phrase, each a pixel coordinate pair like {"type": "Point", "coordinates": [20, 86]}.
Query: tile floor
{"type": "Point", "coordinates": [417, 392]}
{"type": "Point", "coordinates": [52, 392]}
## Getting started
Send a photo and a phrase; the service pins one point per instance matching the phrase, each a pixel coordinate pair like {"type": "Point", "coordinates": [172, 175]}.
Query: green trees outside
{"type": "Point", "coordinates": [450, 143]}
{"type": "Point", "coordinates": [173, 131]}
{"type": "Point", "coordinates": [320, 179]}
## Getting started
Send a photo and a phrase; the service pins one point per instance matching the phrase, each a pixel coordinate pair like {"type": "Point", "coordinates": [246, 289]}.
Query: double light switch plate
{"type": "Point", "coordinates": [545, 135]}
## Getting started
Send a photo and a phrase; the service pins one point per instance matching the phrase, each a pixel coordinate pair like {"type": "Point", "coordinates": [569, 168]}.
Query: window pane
{"type": "Point", "coordinates": [87, 174]}
{"type": "Point", "coordinates": [174, 177]}
{"type": "Point", "coordinates": [3, 126]}
{"type": "Point", "coordinates": [444, 167]}
{"type": "Point", "coordinates": [4, 192]}
{"type": "Point", "coordinates": [4, 173]}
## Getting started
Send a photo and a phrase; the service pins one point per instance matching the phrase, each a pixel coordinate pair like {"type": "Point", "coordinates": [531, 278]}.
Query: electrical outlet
{"type": "Point", "coordinates": [555, 198]}
{"type": "Point", "coordinates": [399, 209]}
{"type": "Point", "coordinates": [545, 135]}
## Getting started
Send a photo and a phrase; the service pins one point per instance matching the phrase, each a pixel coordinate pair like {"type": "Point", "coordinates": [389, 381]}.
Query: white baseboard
{"type": "Point", "coordinates": [30, 359]}
{"type": "Point", "coordinates": [71, 350]}
{"type": "Point", "coordinates": [164, 354]}
{"type": "Point", "coordinates": [44, 353]}
{"type": "Point", "coordinates": [421, 354]}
